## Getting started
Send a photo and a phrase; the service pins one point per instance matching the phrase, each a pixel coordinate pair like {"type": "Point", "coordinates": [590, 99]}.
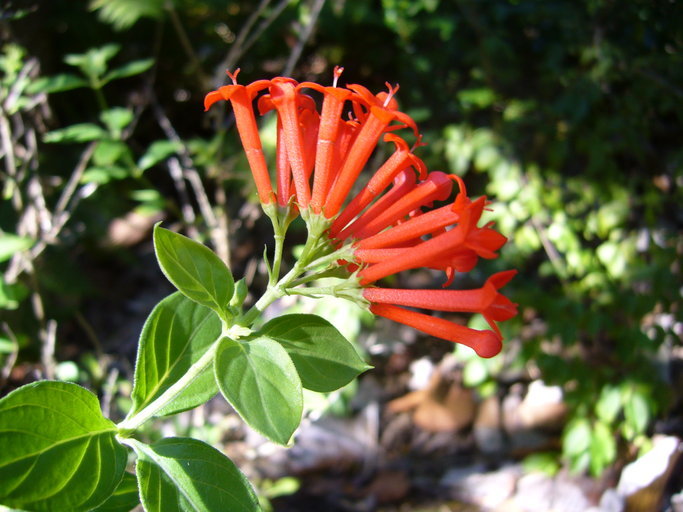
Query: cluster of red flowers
{"type": "Point", "coordinates": [390, 222]}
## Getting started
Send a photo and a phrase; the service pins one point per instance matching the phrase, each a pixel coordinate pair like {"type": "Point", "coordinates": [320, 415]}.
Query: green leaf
{"type": "Point", "coordinates": [577, 437]}
{"type": "Point", "coordinates": [181, 474]}
{"type": "Point", "coordinates": [8, 346]}
{"type": "Point", "coordinates": [636, 414]}
{"type": "Point", "coordinates": [260, 381]}
{"type": "Point", "coordinates": [82, 132]}
{"type": "Point", "coordinates": [108, 151]}
{"type": "Point", "coordinates": [542, 463]}
{"type": "Point", "coordinates": [125, 498]}
{"type": "Point", "coordinates": [608, 404]}
{"type": "Point", "coordinates": [116, 119]}
{"type": "Point", "coordinates": [57, 451]}
{"type": "Point", "coordinates": [603, 448]}
{"type": "Point", "coordinates": [56, 83]}
{"type": "Point", "coordinates": [194, 269]}
{"type": "Point", "coordinates": [479, 98]}
{"type": "Point", "coordinates": [132, 68]}
{"type": "Point", "coordinates": [475, 373]}
{"type": "Point", "coordinates": [158, 151]}
{"type": "Point", "coordinates": [124, 13]}
{"type": "Point", "coordinates": [240, 294]}
{"type": "Point", "coordinates": [93, 63]}
{"type": "Point", "coordinates": [176, 334]}
{"type": "Point", "coordinates": [324, 359]}
{"type": "Point", "coordinates": [103, 175]}
{"type": "Point", "coordinates": [11, 244]}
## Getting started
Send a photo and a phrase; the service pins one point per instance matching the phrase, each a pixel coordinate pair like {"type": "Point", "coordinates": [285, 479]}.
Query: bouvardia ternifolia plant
{"type": "Point", "coordinates": [57, 450]}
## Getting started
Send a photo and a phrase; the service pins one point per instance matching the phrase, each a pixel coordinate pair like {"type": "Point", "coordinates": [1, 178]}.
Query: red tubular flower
{"type": "Point", "coordinates": [400, 160]}
{"type": "Point", "coordinates": [241, 98]}
{"type": "Point", "coordinates": [436, 187]}
{"type": "Point", "coordinates": [485, 300]}
{"type": "Point", "coordinates": [430, 252]}
{"type": "Point", "coordinates": [283, 94]}
{"type": "Point", "coordinates": [330, 128]}
{"type": "Point", "coordinates": [373, 124]}
{"type": "Point", "coordinates": [484, 343]}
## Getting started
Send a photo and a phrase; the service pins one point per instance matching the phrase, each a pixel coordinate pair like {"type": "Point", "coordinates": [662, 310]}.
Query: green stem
{"type": "Point", "coordinates": [345, 253]}
{"type": "Point", "coordinates": [314, 242]}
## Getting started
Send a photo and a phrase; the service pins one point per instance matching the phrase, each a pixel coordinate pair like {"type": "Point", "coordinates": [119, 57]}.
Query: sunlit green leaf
{"type": "Point", "coordinates": [474, 373]}
{"type": "Point", "coordinates": [603, 448]}
{"type": "Point", "coordinates": [10, 244]}
{"type": "Point", "coordinates": [57, 451]}
{"type": "Point", "coordinates": [125, 497]}
{"type": "Point", "coordinates": [608, 404]}
{"type": "Point", "coordinates": [541, 462]}
{"type": "Point", "coordinates": [260, 381]}
{"type": "Point", "coordinates": [577, 437]}
{"type": "Point", "coordinates": [636, 414]}
{"type": "Point", "coordinates": [324, 359]}
{"type": "Point", "coordinates": [194, 269]}
{"type": "Point", "coordinates": [180, 474]}
{"type": "Point", "coordinates": [176, 334]}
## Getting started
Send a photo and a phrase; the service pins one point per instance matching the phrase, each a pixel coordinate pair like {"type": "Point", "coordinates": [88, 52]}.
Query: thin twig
{"type": "Point", "coordinates": [306, 32]}
{"type": "Point", "coordinates": [47, 354]}
{"type": "Point", "coordinates": [186, 209]}
{"type": "Point", "coordinates": [109, 389]}
{"type": "Point", "coordinates": [185, 42]}
{"type": "Point", "coordinates": [10, 162]}
{"type": "Point", "coordinates": [264, 25]}
{"type": "Point", "coordinates": [219, 236]}
{"type": "Point", "coordinates": [223, 250]}
{"type": "Point", "coordinates": [64, 209]}
{"type": "Point", "coordinates": [72, 184]}
{"type": "Point", "coordinates": [237, 49]}
{"type": "Point", "coordinates": [218, 229]}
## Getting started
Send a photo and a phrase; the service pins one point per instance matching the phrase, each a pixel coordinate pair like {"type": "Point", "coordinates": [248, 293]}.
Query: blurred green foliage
{"type": "Point", "coordinates": [567, 114]}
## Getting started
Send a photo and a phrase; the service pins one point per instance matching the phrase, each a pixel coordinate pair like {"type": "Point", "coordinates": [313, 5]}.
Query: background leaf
{"type": "Point", "coordinates": [11, 244]}
{"type": "Point", "coordinates": [324, 359]}
{"type": "Point", "coordinates": [158, 151]}
{"type": "Point", "coordinates": [57, 451]}
{"type": "Point", "coordinates": [260, 381]}
{"type": "Point", "coordinates": [116, 119]}
{"type": "Point", "coordinates": [93, 63]}
{"type": "Point", "coordinates": [132, 68]}
{"type": "Point", "coordinates": [124, 13]}
{"type": "Point", "coordinates": [56, 83]}
{"type": "Point", "coordinates": [180, 474]}
{"type": "Point", "coordinates": [82, 132]}
{"type": "Point", "coordinates": [176, 334]}
{"type": "Point", "coordinates": [194, 269]}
